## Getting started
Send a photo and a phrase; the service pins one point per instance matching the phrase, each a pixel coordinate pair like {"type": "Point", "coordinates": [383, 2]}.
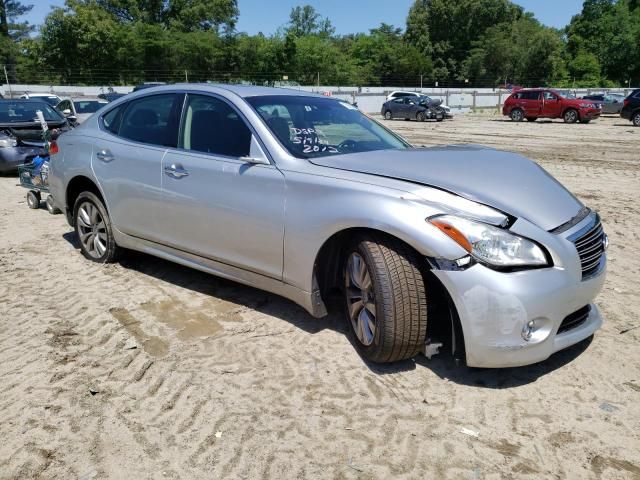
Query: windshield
{"type": "Point", "coordinates": [88, 106]}
{"type": "Point", "coordinates": [567, 94]}
{"type": "Point", "coordinates": [25, 112]}
{"type": "Point", "coordinates": [311, 127]}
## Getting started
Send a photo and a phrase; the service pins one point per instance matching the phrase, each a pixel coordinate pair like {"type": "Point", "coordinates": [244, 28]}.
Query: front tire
{"type": "Point", "coordinates": [388, 115]}
{"type": "Point", "coordinates": [385, 298]}
{"type": "Point", "coordinates": [571, 116]}
{"type": "Point", "coordinates": [94, 230]}
{"type": "Point", "coordinates": [517, 115]}
{"type": "Point", "coordinates": [636, 119]}
{"type": "Point", "coordinates": [420, 117]}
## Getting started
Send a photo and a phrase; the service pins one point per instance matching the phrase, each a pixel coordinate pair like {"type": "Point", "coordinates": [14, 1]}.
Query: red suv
{"type": "Point", "coordinates": [532, 104]}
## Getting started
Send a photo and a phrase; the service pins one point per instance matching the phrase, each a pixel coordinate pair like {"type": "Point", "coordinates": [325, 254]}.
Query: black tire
{"type": "Point", "coordinates": [51, 207]}
{"type": "Point", "coordinates": [421, 117]}
{"type": "Point", "coordinates": [532, 119]}
{"type": "Point", "coordinates": [33, 200]}
{"type": "Point", "coordinates": [84, 230]}
{"type": "Point", "coordinates": [635, 119]}
{"type": "Point", "coordinates": [399, 298]}
{"type": "Point", "coordinates": [517, 115]}
{"type": "Point", "coordinates": [388, 115]}
{"type": "Point", "coordinates": [571, 116]}
{"type": "Point", "coordinates": [585, 121]}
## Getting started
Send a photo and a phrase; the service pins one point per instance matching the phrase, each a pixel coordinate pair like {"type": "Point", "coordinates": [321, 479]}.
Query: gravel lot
{"type": "Point", "coordinates": [232, 382]}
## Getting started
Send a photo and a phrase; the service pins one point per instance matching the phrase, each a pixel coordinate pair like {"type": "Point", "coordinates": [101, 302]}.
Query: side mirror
{"type": "Point", "coordinates": [66, 112]}
{"type": "Point", "coordinates": [72, 118]}
{"type": "Point", "coordinates": [256, 154]}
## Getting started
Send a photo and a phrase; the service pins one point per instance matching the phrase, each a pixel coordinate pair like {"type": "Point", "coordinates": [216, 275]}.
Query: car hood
{"type": "Point", "coordinates": [506, 181]}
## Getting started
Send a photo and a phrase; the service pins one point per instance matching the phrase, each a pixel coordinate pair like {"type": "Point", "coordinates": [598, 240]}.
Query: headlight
{"type": "Point", "coordinates": [588, 105]}
{"type": "Point", "coordinates": [491, 245]}
{"type": "Point", "coordinates": [8, 142]}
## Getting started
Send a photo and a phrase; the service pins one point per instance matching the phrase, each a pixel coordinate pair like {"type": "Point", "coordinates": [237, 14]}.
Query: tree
{"type": "Point", "coordinates": [447, 29]}
{"type": "Point", "coordinates": [184, 15]}
{"type": "Point", "coordinates": [12, 32]}
{"type": "Point", "coordinates": [307, 21]}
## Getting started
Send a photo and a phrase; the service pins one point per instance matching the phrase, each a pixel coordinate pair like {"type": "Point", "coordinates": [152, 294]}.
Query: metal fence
{"type": "Point", "coordinates": [369, 99]}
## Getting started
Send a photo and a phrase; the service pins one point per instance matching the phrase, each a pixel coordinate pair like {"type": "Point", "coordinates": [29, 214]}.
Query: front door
{"type": "Point", "coordinates": [127, 159]}
{"type": "Point", "coordinates": [552, 105]}
{"type": "Point", "coordinates": [216, 204]}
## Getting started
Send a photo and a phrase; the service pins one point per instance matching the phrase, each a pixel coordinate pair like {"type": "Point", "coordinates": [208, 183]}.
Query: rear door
{"type": "Point", "coordinates": [217, 204]}
{"type": "Point", "coordinates": [531, 104]}
{"type": "Point", "coordinates": [127, 160]}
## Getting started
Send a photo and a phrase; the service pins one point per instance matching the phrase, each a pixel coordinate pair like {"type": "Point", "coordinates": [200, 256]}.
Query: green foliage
{"type": "Point", "coordinates": [487, 42]}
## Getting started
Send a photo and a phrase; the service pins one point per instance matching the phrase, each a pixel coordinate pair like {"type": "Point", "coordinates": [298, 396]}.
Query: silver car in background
{"type": "Point", "coordinates": [304, 196]}
{"type": "Point", "coordinates": [77, 110]}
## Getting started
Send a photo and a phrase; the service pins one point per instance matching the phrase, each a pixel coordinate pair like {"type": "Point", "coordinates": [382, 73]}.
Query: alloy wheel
{"type": "Point", "coordinates": [360, 297]}
{"type": "Point", "coordinates": [92, 230]}
{"type": "Point", "coordinates": [571, 116]}
{"type": "Point", "coordinates": [636, 119]}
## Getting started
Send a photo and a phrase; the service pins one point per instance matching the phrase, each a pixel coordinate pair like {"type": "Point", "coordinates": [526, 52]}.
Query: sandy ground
{"type": "Point", "coordinates": [230, 382]}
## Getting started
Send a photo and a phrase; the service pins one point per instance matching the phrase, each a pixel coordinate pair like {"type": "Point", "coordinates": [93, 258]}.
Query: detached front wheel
{"type": "Point", "coordinates": [385, 297]}
{"type": "Point", "coordinates": [94, 230]}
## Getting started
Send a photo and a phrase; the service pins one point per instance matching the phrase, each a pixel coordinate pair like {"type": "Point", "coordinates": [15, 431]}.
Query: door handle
{"type": "Point", "coordinates": [104, 156]}
{"type": "Point", "coordinates": [176, 171]}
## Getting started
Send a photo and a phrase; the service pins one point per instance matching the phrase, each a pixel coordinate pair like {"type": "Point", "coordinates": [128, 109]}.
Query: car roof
{"type": "Point", "coordinates": [244, 91]}
{"type": "Point", "coordinates": [34, 94]}
{"type": "Point", "coordinates": [22, 100]}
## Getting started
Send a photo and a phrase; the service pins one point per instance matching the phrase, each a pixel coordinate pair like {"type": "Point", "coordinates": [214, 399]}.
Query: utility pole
{"type": "Point", "coordinates": [7, 79]}
{"type": "Point", "coordinates": [186, 77]}
{"type": "Point", "coordinates": [420, 81]}
{"type": "Point", "coordinates": [318, 79]}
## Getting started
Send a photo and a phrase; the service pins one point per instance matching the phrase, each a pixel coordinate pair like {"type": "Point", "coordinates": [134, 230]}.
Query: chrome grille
{"type": "Point", "coordinates": [591, 247]}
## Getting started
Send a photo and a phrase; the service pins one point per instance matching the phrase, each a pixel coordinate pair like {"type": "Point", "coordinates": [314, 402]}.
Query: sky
{"type": "Point", "coordinates": [348, 16]}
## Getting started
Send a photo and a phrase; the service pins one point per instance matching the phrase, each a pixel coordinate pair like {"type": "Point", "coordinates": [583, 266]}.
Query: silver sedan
{"type": "Point", "coordinates": [478, 250]}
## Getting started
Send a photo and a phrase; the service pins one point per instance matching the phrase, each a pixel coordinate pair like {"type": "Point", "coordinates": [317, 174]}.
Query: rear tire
{"type": "Point", "coordinates": [571, 116]}
{"type": "Point", "coordinates": [517, 115]}
{"type": "Point", "coordinates": [532, 119]}
{"type": "Point", "coordinates": [585, 121]}
{"type": "Point", "coordinates": [388, 115]}
{"type": "Point", "coordinates": [385, 298]}
{"type": "Point", "coordinates": [636, 119]}
{"type": "Point", "coordinates": [93, 228]}
{"type": "Point", "coordinates": [33, 200]}
{"type": "Point", "coordinates": [51, 207]}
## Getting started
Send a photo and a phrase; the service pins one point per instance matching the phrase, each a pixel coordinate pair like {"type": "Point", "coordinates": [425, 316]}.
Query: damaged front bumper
{"type": "Point", "coordinates": [520, 318]}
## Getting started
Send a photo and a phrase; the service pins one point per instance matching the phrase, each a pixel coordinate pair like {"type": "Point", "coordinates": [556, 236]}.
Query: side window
{"type": "Point", "coordinates": [550, 96]}
{"type": "Point", "coordinates": [531, 95]}
{"type": "Point", "coordinates": [111, 119]}
{"type": "Point", "coordinates": [210, 125]}
{"type": "Point", "coordinates": [64, 105]}
{"type": "Point", "coordinates": [399, 100]}
{"type": "Point", "coordinates": [149, 120]}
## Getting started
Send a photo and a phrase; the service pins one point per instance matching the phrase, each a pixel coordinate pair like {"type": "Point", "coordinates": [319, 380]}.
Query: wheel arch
{"type": "Point", "coordinates": [75, 187]}
{"type": "Point", "coordinates": [443, 324]}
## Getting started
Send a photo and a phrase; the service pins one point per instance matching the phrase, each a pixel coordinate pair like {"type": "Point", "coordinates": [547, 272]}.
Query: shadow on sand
{"type": "Point", "coordinates": [444, 365]}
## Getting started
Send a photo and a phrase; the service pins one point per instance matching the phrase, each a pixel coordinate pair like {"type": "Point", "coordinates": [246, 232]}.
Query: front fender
{"type": "Point", "coordinates": [318, 207]}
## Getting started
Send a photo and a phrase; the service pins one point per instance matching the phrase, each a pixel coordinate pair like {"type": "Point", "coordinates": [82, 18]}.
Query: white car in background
{"type": "Point", "coordinates": [77, 110]}
{"type": "Point", "coordinates": [400, 93]}
{"type": "Point", "coordinates": [51, 98]}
